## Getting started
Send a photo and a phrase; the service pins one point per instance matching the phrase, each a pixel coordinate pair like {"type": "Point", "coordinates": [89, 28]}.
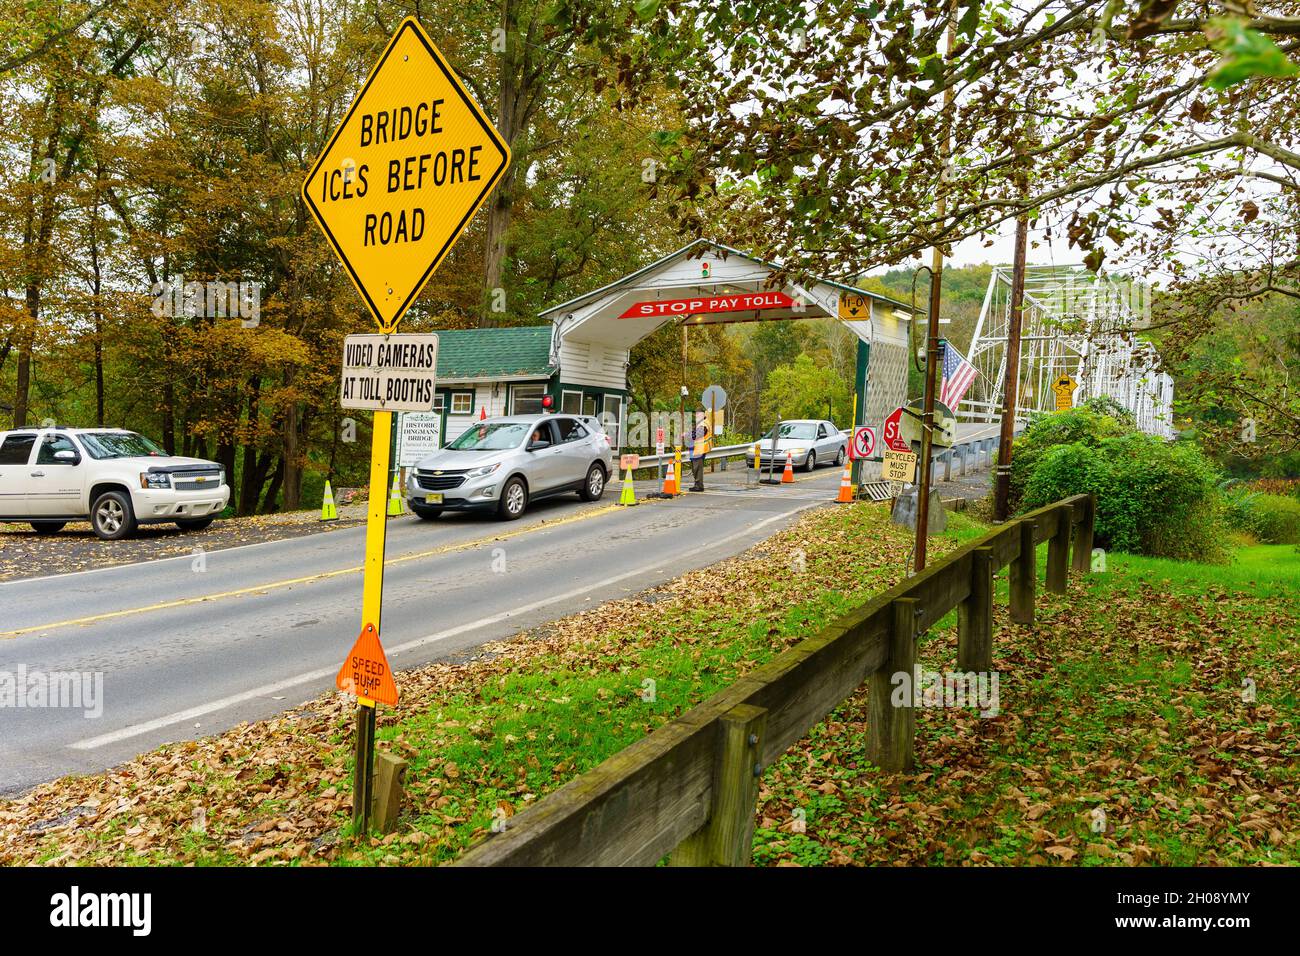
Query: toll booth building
{"type": "Point", "coordinates": [580, 356]}
{"type": "Point", "coordinates": [508, 371]}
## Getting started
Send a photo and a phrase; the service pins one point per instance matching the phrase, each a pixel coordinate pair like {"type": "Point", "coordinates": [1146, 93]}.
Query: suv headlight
{"type": "Point", "coordinates": [482, 472]}
{"type": "Point", "coordinates": [155, 479]}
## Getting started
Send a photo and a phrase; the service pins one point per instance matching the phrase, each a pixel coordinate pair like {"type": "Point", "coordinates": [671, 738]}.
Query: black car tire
{"type": "Point", "coordinates": [811, 463]}
{"type": "Point", "coordinates": [593, 486]}
{"type": "Point", "coordinates": [112, 517]}
{"type": "Point", "coordinates": [195, 524]}
{"type": "Point", "coordinates": [514, 499]}
{"type": "Point", "coordinates": [48, 527]}
{"type": "Point", "coordinates": [425, 513]}
{"type": "Point", "coordinates": [839, 458]}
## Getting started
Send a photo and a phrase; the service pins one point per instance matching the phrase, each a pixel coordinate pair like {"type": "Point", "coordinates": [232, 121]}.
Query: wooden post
{"type": "Point", "coordinates": [1083, 537]}
{"type": "Point", "coordinates": [390, 778]}
{"type": "Point", "coordinates": [891, 729]}
{"type": "Point", "coordinates": [362, 782]}
{"type": "Point", "coordinates": [727, 839]}
{"type": "Point", "coordinates": [1058, 552]}
{"type": "Point", "coordinates": [975, 616]}
{"type": "Point", "coordinates": [1024, 576]}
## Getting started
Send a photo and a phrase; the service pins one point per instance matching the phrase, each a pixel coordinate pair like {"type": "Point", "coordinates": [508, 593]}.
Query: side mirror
{"type": "Point", "coordinates": [536, 445]}
{"type": "Point", "coordinates": [67, 457]}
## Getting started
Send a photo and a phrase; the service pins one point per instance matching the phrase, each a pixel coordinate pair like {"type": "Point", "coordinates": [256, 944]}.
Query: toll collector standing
{"type": "Point", "coordinates": [701, 444]}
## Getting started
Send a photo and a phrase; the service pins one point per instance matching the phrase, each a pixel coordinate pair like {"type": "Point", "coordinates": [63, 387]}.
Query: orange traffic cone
{"type": "Point", "coordinates": [482, 415]}
{"type": "Point", "coordinates": [787, 476]}
{"type": "Point", "coordinates": [670, 481]}
{"type": "Point", "coordinates": [846, 485]}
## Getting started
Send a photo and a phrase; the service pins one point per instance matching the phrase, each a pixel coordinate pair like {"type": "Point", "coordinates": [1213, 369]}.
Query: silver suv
{"type": "Point", "coordinates": [503, 463]}
{"type": "Point", "coordinates": [113, 478]}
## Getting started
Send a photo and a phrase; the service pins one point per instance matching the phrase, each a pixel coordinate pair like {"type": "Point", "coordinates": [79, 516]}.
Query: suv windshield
{"type": "Point", "coordinates": [491, 436]}
{"type": "Point", "coordinates": [103, 445]}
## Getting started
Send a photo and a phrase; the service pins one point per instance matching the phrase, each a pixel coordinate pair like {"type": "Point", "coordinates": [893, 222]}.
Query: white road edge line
{"type": "Point", "coordinates": [266, 690]}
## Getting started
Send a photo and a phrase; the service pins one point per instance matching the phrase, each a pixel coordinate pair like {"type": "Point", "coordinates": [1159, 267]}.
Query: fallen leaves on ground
{"type": "Point", "coordinates": [280, 790]}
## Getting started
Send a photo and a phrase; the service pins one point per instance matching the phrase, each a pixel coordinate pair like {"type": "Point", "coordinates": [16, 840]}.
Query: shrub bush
{"type": "Point", "coordinates": [1086, 425]}
{"type": "Point", "coordinates": [1153, 497]}
{"type": "Point", "coordinates": [1273, 519]}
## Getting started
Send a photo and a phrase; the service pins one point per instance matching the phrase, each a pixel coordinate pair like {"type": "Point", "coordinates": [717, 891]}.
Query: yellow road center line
{"type": "Point", "coordinates": [322, 576]}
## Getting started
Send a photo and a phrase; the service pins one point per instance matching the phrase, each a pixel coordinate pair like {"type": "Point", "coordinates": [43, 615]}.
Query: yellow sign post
{"type": "Point", "coordinates": [411, 162]}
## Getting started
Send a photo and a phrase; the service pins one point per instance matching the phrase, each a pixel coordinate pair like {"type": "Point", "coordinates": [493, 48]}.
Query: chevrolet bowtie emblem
{"type": "Point", "coordinates": [201, 478]}
{"type": "Point", "coordinates": [437, 472]}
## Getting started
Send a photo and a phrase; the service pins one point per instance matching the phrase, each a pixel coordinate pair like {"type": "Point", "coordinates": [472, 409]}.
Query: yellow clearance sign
{"type": "Point", "coordinates": [854, 306]}
{"type": "Point", "coordinates": [412, 161]}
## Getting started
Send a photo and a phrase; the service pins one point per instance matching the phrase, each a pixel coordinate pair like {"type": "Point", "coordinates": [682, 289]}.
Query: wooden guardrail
{"type": "Point", "coordinates": [690, 788]}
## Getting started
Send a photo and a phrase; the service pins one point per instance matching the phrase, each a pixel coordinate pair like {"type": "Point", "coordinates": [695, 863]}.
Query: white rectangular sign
{"type": "Point", "coordinates": [418, 437]}
{"type": "Point", "coordinates": [390, 373]}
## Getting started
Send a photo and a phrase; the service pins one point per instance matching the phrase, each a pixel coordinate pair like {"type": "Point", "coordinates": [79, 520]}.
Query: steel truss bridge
{"type": "Point", "coordinates": [1075, 323]}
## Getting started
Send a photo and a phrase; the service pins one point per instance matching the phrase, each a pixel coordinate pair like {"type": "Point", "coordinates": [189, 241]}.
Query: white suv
{"type": "Point", "coordinates": [114, 479]}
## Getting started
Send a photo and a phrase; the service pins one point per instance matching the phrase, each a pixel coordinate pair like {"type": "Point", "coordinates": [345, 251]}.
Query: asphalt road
{"type": "Point", "coordinates": [189, 647]}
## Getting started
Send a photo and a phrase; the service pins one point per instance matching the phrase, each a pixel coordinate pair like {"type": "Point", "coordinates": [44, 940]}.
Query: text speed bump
{"type": "Point", "coordinates": [410, 164]}
{"type": "Point", "coordinates": [389, 373]}
{"type": "Point", "coordinates": [366, 674]}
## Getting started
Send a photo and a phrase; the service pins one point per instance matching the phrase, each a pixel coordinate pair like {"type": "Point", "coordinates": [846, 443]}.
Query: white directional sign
{"type": "Point", "coordinates": [389, 373]}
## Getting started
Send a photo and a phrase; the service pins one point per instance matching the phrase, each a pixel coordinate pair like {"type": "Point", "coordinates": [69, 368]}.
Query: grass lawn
{"type": "Point", "coordinates": [1126, 697]}
{"type": "Point", "coordinates": [1124, 735]}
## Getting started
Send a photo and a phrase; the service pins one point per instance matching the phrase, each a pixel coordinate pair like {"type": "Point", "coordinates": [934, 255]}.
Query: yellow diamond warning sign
{"type": "Point", "coordinates": [410, 164]}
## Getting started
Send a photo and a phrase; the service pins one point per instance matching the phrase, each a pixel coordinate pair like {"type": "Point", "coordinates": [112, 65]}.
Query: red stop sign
{"type": "Point", "coordinates": [893, 439]}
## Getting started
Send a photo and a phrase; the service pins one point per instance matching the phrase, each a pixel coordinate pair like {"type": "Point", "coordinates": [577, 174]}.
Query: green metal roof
{"type": "Point", "coordinates": [495, 353]}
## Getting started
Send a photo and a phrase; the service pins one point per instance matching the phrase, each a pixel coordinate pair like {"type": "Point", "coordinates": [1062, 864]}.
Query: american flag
{"type": "Point", "coordinates": [958, 374]}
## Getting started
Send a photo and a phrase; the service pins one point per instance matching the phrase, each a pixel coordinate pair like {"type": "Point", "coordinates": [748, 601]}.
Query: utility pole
{"type": "Point", "coordinates": [1011, 378]}
{"type": "Point", "coordinates": [1015, 326]}
{"type": "Point", "coordinates": [932, 337]}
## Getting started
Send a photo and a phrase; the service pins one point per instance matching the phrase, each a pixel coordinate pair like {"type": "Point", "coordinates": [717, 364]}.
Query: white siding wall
{"type": "Point", "coordinates": [602, 366]}
{"type": "Point", "coordinates": [482, 397]}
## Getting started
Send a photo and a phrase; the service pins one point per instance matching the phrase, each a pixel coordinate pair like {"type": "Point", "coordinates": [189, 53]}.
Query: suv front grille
{"type": "Point", "coordinates": [189, 481]}
{"type": "Point", "coordinates": [444, 481]}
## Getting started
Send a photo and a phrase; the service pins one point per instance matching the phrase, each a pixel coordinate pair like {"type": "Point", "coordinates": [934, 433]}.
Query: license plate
{"type": "Point", "coordinates": [433, 499]}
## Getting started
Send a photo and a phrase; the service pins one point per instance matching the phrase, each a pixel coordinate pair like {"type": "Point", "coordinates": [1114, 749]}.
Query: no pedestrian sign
{"type": "Point", "coordinates": [389, 373]}
{"type": "Point", "coordinates": [412, 161]}
{"type": "Point", "coordinates": [864, 442]}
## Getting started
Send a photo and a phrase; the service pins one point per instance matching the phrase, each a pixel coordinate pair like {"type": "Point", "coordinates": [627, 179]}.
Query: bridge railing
{"type": "Point", "coordinates": [689, 789]}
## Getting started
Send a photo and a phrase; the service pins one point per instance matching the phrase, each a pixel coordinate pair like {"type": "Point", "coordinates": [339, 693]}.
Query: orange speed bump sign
{"type": "Point", "coordinates": [365, 673]}
{"type": "Point", "coordinates": [410, 164]}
